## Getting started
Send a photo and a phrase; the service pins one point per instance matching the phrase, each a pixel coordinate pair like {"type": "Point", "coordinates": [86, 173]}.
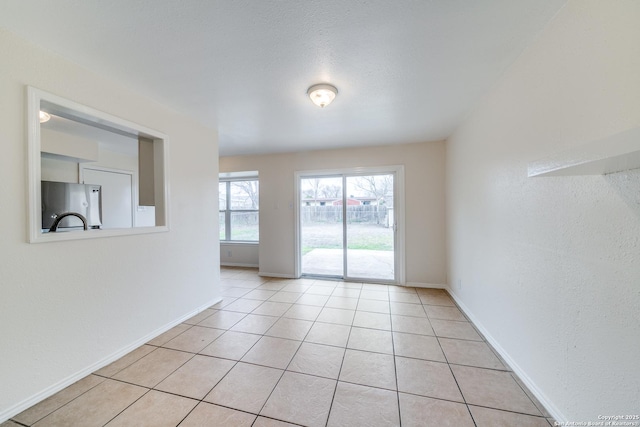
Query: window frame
{"type": "Point", "coordinates": [228, 209]}
{"type": "Point", "coordinates": [37, 100]}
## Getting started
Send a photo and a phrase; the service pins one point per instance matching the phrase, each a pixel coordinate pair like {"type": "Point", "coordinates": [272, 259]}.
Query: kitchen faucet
{"type": "Point", "coordinates": [54, 226]}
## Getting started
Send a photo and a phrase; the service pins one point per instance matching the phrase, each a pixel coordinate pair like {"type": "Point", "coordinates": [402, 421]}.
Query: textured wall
{"type": "Point", "coordinates": [550, 266]}
{"type": "Point", "coordinates": [67, 306]}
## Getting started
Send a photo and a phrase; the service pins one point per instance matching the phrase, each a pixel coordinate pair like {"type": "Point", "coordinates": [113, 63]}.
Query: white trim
{"type": "Point", "coordinates": [238, 264]}
{"type": "Point", "coordinates": [297, 258]}
{"type": "Point", "coordinates": [239, 243]}
{"type": "Point", "coordinates": [51, 390]}
{"type": "Point", "coordinates": [37, 99]}
{"type": "Point", "coordinates": [399, 211]}
{"type": "Point", "coordinates": [279, 275]}
{"type": "Point", "coordinates": [533, 388]}
{"type": "Point", "coordinates": [399, 218]}
{"type": "Point", "coordinates": [426, 285]}
{"type": "Point", "coordinates": [240, 176]}
{"type": "Point", "coordinates": [95, 234]}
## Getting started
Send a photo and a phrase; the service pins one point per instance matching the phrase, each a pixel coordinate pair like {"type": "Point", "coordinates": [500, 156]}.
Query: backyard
{"type": "Point", "coordinates": [359, 236]}
{"type": "Point", "coordinates": [370, 243]}
{"type": "Point", "coordinates": [369, 250]}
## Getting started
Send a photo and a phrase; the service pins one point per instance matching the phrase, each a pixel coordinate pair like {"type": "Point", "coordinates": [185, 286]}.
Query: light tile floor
{"type": "Point", "coordinates": [305, 352]}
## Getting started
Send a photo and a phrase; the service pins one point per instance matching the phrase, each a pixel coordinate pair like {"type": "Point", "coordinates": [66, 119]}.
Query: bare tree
{"type": "Point", "coordinates": [331, 191]}
{"type": "Point", "coordinates": [381, 188]}
{"type": "Point", "coordinates": [378, 186]}
{"type": "Point", "coordinates": [312, 188]}
{"type": "Point", "coordinates": [222, 195]}
{"type": "Point", "coordinates": [250, 189]}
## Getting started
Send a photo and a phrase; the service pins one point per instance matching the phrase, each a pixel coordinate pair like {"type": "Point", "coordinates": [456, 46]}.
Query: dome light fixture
{"type": "Point", "coordinates": [44, 117]}
{"type": "Point", "coordinates": [322, 94]}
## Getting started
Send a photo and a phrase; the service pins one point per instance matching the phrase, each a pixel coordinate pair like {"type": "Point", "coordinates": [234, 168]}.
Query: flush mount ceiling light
{"type": "Point", "coordinates": [322, 94]}
{"type": "Point", "coordinates": [44, 117]}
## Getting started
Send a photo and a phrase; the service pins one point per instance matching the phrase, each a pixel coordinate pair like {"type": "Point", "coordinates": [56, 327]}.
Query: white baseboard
{"type": "Point", "coordinates": [539, 394]}
{"type": "Point", "coordinates": [53, 389]}
{"type": "Point", "coordinates": [426, 285]}
{"type": "Point", "coordinates": [237, 264]}
{"type": "Point", "coordinates": [279, 275]}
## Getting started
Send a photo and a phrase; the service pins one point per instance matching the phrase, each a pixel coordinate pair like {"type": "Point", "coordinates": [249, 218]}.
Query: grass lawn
{"type": "Point", "coordinates": [329, 236]}
{"type": "Point", "coordinates": [359, 236]}
{"type": "Point", "coordinates": [243, 233]}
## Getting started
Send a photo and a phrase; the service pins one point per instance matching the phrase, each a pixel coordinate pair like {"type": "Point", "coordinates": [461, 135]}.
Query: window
{"type": "Point", "coordinates": [239, 209]}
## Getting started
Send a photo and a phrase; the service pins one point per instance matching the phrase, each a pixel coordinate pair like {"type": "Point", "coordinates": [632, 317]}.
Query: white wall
{"type": "Point", "coordinates": [550, 267]}
{"type": "Point", "coordinates": [239, 254]}
{"type": "Point", "coordinates": [68, 307]}
{"type": "Point", "coordinates": [58, 170]}
{"type": "Point", "coordinates": [424, 194]}
{"type": "Point", "coordinates": [54, 169]}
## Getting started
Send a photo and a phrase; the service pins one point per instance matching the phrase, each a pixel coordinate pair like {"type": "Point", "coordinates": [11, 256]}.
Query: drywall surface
{"type": "Point", "coordinates": [239, 254]}
{"type": "Point", "coordinates": [68, 306]}
{"type": "Point", "coordinates": [424, 195]}
{"type": "Point", "coordinates": [550, 266]}
{"type": "Point", "coordinates": [55, 169]}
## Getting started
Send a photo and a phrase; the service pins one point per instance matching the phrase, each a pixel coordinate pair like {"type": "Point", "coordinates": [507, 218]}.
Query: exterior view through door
{"type": "Point", "coordinates": [347, 226]}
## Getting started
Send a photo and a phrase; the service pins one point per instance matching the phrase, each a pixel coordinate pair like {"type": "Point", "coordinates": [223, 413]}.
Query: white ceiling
{"type": "Point", "coordinates": [406, 70]}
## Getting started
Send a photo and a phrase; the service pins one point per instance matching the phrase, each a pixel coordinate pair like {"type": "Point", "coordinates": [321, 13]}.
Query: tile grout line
{"type": "Point", "coordinates": [124, 382]}
{"type": "Point", "coordinates": [62, 406]}
{"type": "Point", "coordinates": [344, 355]}
{"type": "Point", "coordinates": [395, 365]}
{"type": "Point", "coordinates": [149, 389]}
{"type": "Point", "coordinates": [281, 316]}
{"type": "Point", "coordinates": [128, 406]}
{"type": "Point", "coordinates": [194, 355]}
{"type": "Point", "coordinates": [464, 399]}
{"type": "Point", "coordinates": [301, 342]}
{"type": "Point", "coordinates": [238, 361]}
{"type": "Point", "coordinates": [482, 340]}
{"type": "Point", "coordinates": [507, 410]}
{"type": "Point", "coordinates": [285, 369]}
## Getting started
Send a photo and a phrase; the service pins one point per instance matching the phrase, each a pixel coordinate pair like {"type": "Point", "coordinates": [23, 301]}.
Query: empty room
{"type": "Point", "coordinates": [320, 213]}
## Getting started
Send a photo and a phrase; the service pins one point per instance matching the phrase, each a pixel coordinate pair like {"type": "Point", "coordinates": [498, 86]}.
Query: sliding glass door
{"type": "Point", "coordinates": [322, 231]}
{"type": "Point", "coordinates": [347, 226]}
{"type": "Point", "coordinates": [369, 224]}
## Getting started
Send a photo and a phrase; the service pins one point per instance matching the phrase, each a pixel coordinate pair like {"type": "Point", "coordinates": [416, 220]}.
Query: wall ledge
{"type": "Point", "coordinates": [612, 154]}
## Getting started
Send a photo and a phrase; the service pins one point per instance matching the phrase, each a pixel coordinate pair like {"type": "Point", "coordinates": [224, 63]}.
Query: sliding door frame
{"type": "Point", "coordinates": [399, 214]}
